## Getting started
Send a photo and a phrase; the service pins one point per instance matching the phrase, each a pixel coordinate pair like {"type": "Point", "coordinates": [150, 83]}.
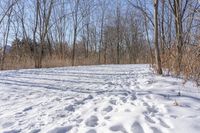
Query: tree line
{"type": "Point", "coordinates": [49, 33]}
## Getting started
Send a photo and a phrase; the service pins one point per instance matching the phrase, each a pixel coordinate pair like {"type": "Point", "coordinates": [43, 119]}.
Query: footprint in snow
{"type": "Point", "coordinates": [88, 97]}
{"type": "Point", "coordinates": [152, 109]}
{"type": "Point", "coordinates": [7, 124]}
{"type": "Point", "coordinates": [186, 106]}
{"type": "Point", "coordinates": [56, 99]}
{"type": "Point", "coordinates": [91, 131]}
{"type": "Point", "coordinates": [79, 120]}
{"type": "Point", "coordinates": [123, 99]}
{"type": "Point", "coordinates": [35, 131]}
{"type": "Point", "coordinates": [13, 131]}
{"type": "Point", "coordinates": [95, 109]}
{"type": "Point", "coordinates": [164, 124]}
{"type": "Point", "coordinates": [92, 121]}
{"type": "Point", "coordinates": [112, 101]}
{"type": "Point", "coordinates": [61, 115]}
{"type": "Point", "coordinates": [70, 108]}
{"type": "Point", "coordinates": [192, 116]}
{"type": "Point", "coordinates": [127, 110]}
{"type": "Point", "coordinates": [108, 109]}
{"type": "Point", "coordinates": [80, 102]}
{"type": "Point", "coordinates": [20, 114]}
{"type": "Point", "coordinates": [137, 87]}
{"type": "Point", "coordinates": [145, 104]}
{"type": "Point", "coordinates": [133, 97]}
{"type": "Point", "coordinates": [28, 108]}
{"type": "Point", "coordinates": [149, 119]}
{"type": "Point", "coordinates": [107, 117]}
{"type": "Point", "coordinates": [174, 116]}
{"type": "Point", "coordinates": [148, 97]}
{"type": "Point", "coordinates": [118, 128]}
{"type": "Point", "coordinates": [60, 129]}
{"type": "Point", "coordinates": [137, 128]}
{"type": "Point", "coordinates": [156, 130]}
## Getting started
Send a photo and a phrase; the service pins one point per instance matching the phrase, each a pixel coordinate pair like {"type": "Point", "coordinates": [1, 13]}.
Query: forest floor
{"type": "Point", "coordinates": [97, 99]}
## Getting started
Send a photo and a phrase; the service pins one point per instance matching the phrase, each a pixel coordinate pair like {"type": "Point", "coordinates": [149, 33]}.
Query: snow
{"type": "Point", "coordinates": [97, 99]}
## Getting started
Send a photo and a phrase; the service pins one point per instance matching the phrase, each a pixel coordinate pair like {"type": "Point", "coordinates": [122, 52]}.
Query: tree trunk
{"type": "Point", "coordinates": [179, 41]}
{"type": "Point", "coordinates": [75, 31]}
{"type": "Point", "coordinates": [157, 51]}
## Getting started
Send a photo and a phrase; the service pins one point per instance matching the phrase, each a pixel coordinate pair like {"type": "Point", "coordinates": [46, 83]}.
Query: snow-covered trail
{"type": "Point", "coordinates": [96, 99]}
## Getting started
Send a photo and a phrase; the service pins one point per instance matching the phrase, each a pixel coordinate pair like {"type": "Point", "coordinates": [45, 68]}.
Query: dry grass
{"type": "Point", "coordinates": [191, 61]}
{"type": "Point", "coordinates": [16, 63]}
{"type": "Point", "coordinates": [25, 61]}
{"type": "Point", "coordinates": [12, 62]}
{"type": "Point", "coordinates": [190, 67]}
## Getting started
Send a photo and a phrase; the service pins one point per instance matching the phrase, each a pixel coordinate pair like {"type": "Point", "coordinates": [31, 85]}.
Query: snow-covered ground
{"type": "Point", "coordinates": [97, 99]}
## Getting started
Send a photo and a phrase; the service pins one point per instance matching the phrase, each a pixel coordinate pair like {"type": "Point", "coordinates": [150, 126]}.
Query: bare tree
{"type": "Point", "coordinates": [7, 13]}
{"type": "Point", "coordinates": [43, 14]}
{"type": "Point", "coordinates": [118, 31]}
{"type": "Point", "coordinates": [103, 9]}
{"type": "Point", "coordinates": [178, 12]}
{"type": "Point", "coordinates": [157, 51]}
{"type": "Point", "coordinates": [75, 26]}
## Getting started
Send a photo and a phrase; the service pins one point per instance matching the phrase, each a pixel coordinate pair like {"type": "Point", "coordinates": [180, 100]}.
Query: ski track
{"type": "Point", "coordinates": [96, 99]}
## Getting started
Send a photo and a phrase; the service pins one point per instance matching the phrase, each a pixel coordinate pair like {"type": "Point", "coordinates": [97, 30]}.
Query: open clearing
{"type": "Point", "coordinates": [96, 99]}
